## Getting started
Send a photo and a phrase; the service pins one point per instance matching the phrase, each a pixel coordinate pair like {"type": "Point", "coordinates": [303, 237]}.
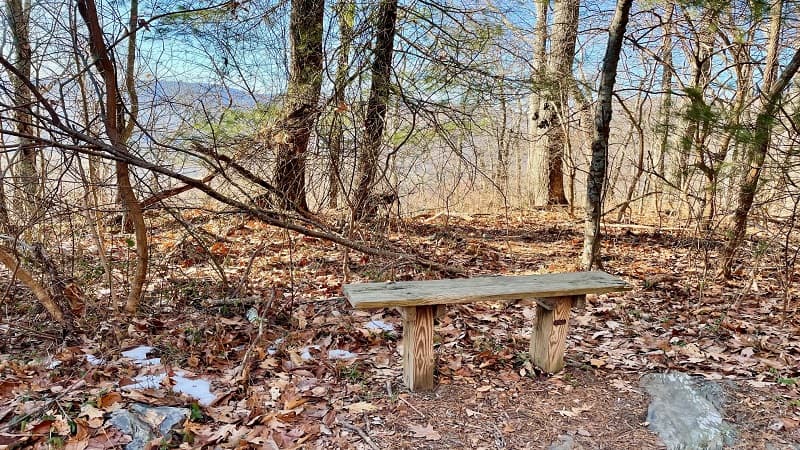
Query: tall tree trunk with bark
{"type": "Point", "coordinates": [115, 131]}
{"type": "Point", "coordinates": [553, 109]}
{"type": "Point", "coordinates": [602, 121]}
{"type": "Point", "coordinates": [375, 120]}
{"type": "Point", "coordinates": [27, 181]}
{"type": "Point", "coordinates": [537, 151]}
{"type": "Point", "coordinates": [345, 10]}
{"type": "Point", "coordinates": [762, 136]}
{"type": "Point", "coordinates": [300, 110]}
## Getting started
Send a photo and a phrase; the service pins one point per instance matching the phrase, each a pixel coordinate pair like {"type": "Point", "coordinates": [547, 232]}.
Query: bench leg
{"type": "Point", "coordinates": [418, 358]}
{"type": "Point", "coordinates": [549, 336]}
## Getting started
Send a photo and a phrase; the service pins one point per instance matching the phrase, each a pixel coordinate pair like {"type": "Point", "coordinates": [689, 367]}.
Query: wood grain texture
{"type": "Point", "coordinates": [418, 357]}
{"type": "Point", "coordinates": [549, 336]}
{"type": "Point", "coordinates": [470, 290]}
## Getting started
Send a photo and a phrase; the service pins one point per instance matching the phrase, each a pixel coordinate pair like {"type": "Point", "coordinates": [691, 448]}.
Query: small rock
{"type": "Point", "coordinates": [686, 413]}
{"type": "Point", "coordinates": [145, 423]}
{"type": "Point", "coordinates": [564, 442]}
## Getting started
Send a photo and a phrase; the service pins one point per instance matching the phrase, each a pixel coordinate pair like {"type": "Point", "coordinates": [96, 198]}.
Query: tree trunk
{"type": "Point", "coordinates": [553, 108]}
{"type": "Point", "coordinates": [26, 174]}
{"type": "Point", "coordinates": [302, 96]}
{"type": "Point", "coordinates": [762, 136]}
{"type": "Point", "coordinates": [537, 151]}
{"type": "Point", "coordinates": [115, 132]}
{"type": "Point", "coordinates": [375, 120]}
{"type": "Point", "coordinates": [602, 121]}
{"type": "Point", "coordinates": [665, 108]}
{"type": "Point", "coordinates": [346, 17]}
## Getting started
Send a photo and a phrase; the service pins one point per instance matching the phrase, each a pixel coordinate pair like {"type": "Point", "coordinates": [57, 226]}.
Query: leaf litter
{"type": "Point", "coordinates": [321, 375]}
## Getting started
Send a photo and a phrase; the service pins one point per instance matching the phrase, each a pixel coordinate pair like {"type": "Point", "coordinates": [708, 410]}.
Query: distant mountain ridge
{"type": "Point", "coordinates": [187, 92]}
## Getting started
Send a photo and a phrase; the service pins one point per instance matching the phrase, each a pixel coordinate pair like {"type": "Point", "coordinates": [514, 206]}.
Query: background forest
{"type": "Point", "coordinates": [162, 158]}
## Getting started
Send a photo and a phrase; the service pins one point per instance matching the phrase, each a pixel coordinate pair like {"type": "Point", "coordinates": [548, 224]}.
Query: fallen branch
{"type": "Point", "coordinates": [99, 148]}
{"type": "Point", "coordinates": [360, 432]}
{"type": "Point", "coordinates": [167, 193]}
{"type": "Point", "coordinates": [18, 272]}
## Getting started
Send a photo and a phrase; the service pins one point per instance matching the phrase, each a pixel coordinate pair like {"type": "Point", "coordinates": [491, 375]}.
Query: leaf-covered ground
{"type": "Point", "coordinates": [265, 344]}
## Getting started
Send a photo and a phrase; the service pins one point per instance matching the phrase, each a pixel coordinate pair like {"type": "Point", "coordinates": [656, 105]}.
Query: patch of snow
{"type": "Point", "coordinates": [274, 347]}
{"type": "Point", "coordinates": [379, 325]}
{"type": "Point", "coordinates": [94, 360]}
{"type": "Point", "coordinates": [198, 389]}
{"type": "Point", "coordinates": [52, 363]}
{"type": "Point", "coordinates": [341, 354]}
{"type": "Point", "coordinates": [305, 352]}
{"type": "Point", "coordinates": [146, 382]}
{"type": "Point", "coordinates": [139, 356]}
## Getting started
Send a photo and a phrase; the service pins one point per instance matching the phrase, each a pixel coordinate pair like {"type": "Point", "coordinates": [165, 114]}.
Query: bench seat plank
{"type": "Point", "coordinates": [471, 290]}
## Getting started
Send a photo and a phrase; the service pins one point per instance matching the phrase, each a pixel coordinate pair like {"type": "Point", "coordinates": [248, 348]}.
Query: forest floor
{"type": "Point", "coordinates": [265, 347]}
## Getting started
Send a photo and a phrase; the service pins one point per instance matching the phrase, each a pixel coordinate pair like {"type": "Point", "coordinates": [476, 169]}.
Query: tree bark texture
{"type": "Point", "coordinates": [115, 131]}
{"type": "Point", "coordinates": [602, 121]}
{"type": "Point", "coordinates": [537, 151]}
{"type": "Point", "coordinates": [26, 178]}
{"type": "Point", "coordinates": [375, 120]}
{"type": "Point", "coordinates": [553, 108]}
{"type": "Point", "coordinates": [302, 96]}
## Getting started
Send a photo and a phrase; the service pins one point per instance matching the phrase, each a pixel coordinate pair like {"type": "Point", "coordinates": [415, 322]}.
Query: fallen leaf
{"type": "Point", "coordinates": [426, 432]}
{"type": "Point", "coordinates": [360, 407]}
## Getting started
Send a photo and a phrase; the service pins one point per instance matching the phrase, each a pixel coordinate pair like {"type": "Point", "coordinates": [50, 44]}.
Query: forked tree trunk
{"type": "Point", "coordinates": [300, 110]}
{"type": "Point", "coordinates": [762, 137]}
{"type": "Point", "coordinates": [345, 10]}
{"type": "Point", "coordinates": [115, 132]}
{"type": "Point", "coordinates": [375, 120]}
{"type": "Point", "coordinates": [602, 121]}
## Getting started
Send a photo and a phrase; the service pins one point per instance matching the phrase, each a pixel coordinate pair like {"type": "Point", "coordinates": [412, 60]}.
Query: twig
{"type": "Point", "coordinates": [244, 369]}
{"type": "Point", "coordinates": [413, 407]}
{"type": "Point", "coordinates": [360, 432]}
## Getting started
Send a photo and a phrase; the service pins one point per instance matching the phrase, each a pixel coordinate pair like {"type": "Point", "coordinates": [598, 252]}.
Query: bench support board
{"type": "Point", "coordinates": [549, 337]}
{"type": "Point", "coordinates": [418, 357]}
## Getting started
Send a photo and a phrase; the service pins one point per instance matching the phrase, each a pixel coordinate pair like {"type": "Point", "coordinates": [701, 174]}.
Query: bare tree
{"type": "Point", "coordinates": [27, 180]}
{"type": "Point", "coordinates": [300, 108]}
{"type": "Point", "coordinates": [602, 121]}
{"type": "Point", "coordinates": [551, 137]}
{"type": "Point", "coordinates": [345, 18]}
{"type": "Point", "coordinates": [538, 156]}
{"type": "Point", "coordinates": [115, 131]}
{"type": "Point", "coordinates": [774, 90]}
{"type": "Point", "coordinates": [375, 120]}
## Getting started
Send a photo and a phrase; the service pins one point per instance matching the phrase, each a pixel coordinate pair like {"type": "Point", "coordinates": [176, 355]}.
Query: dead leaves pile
{"type": "Point", "coordinates": [293, 393]}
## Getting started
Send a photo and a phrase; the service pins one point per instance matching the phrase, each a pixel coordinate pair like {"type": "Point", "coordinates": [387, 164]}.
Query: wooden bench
{"type": "Point", "coordinates": [555, 295]}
